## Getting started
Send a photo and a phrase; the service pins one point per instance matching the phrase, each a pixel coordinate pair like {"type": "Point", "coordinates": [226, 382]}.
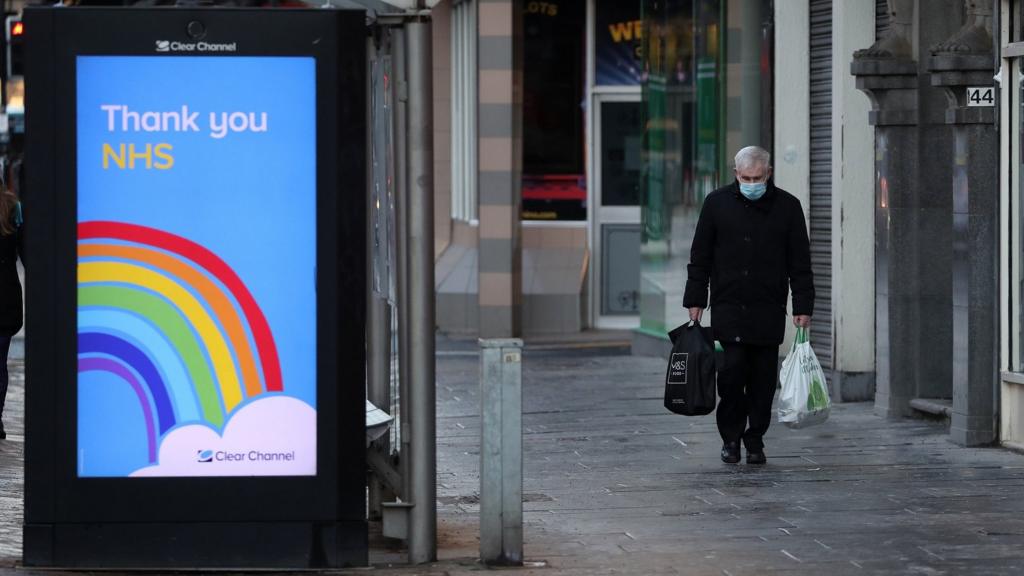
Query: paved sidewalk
{"type": "Point", "coordinates": [11, 455]}
{"type": "Point", "coordinates": [617, 485]}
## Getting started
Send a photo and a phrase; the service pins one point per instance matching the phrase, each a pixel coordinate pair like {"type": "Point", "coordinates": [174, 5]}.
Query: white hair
{"type": "Point", "coordinates": [752, 156]}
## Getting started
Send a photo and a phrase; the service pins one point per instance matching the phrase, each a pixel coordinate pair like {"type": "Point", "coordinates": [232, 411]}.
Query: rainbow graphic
{"type": "Point", "coordinates": [174, 322]}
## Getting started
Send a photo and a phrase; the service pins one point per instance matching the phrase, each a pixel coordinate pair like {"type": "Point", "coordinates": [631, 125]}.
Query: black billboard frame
{"type": "Point", "coordinates": [299, 522]}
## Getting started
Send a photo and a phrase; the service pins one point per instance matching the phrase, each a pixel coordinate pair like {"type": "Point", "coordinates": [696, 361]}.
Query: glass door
{"type": "Point", "coordinates": [617, 170]}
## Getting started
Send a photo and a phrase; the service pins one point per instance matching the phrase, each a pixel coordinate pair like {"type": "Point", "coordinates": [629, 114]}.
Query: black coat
{"type": "Point", "coordinates": [10, 286]}
{"type": "Point", "coordinates": [752, 253]}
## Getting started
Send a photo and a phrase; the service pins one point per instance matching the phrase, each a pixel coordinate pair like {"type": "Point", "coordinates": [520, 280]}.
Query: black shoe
{"type": "Point", "coordinates": [756, 457]}
{"type": "Point", "coordinates": [731, 452]}
{"type": "Point", "coordinates": [3, 434]}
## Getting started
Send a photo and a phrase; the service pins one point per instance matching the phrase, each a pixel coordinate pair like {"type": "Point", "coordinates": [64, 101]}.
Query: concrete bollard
{"type": "Point", "coordinates": [501, 451]}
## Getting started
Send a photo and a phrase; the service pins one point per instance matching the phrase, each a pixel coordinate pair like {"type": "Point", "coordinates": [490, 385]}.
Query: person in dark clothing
{"type": "Point", "coordinates": [751, 247]}
{"type": "Point", "coordinates": [10, 287]}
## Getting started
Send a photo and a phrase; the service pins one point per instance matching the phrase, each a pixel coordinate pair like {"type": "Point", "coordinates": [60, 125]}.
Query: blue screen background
{"type": "Point", "coordinates": [248, 197]}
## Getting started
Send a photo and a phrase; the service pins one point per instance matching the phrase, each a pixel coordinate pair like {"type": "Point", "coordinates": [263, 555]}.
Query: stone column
{"type": "Point", "coordinates": [936, 21]}
{"type": "Point", "coordinates": [891, 85]}
{"type": "Point", "coordinates": [966, 60]}
{"type": "Point", "coordinates": [500, 81]}
{"type": "Point", "coordinates": [913, 239]}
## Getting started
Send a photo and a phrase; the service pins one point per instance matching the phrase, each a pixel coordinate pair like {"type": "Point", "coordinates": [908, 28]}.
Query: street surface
{"type": "Point", "coordinates": [615, 484]}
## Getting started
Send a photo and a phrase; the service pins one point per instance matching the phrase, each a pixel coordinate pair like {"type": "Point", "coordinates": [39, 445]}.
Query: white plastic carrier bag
{"type": "Point", "coordinates": [803, 400]}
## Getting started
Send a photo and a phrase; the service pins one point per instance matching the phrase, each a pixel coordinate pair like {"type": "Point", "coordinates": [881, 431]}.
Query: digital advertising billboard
{"type": "Point", "coordinates": [196, 266]}
{"type": "Point", "coordinates": [196, 184]}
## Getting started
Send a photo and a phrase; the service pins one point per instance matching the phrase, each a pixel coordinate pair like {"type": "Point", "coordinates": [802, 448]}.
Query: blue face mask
{"type": "Point", "coordinates": [753, 191]}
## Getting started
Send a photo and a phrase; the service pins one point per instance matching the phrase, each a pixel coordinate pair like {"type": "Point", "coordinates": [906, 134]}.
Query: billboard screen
{"type": "Point", "coordinates": [196, 275]}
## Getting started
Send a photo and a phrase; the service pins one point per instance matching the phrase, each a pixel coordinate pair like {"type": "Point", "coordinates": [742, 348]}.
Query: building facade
{"type": "Point", "coordinates": [630, 113]}
{"type": "Point", "coordinates": [575, 211]}
{"type": "Point", "coordinates": [896, 123]}
{"type": "Point", "coordinates": [922, 194]}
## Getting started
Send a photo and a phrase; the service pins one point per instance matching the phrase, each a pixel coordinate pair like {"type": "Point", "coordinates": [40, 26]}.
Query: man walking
{"type": "Point", "coordinates": [751, 246]}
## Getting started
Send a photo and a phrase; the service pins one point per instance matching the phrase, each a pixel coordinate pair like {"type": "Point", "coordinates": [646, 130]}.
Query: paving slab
{"type": "Point", "coordinates": [623, 486]}
{"type": "Point", "coordinates": [615, 484]}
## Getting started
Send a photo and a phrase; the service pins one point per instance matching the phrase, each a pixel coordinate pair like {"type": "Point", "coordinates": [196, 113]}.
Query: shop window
{"type": "Point", "coordinates": [704, 97]}
{"type": "Point", "coordinates": [684, 134]}
{"type": "Point", "coordinates": [554, 186]}
{"type": "Point", "coordinates": [618, 44]}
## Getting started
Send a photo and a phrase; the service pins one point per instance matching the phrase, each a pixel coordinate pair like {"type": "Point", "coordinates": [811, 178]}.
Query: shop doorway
{"type": "Point", "coordinates": [615, 229]}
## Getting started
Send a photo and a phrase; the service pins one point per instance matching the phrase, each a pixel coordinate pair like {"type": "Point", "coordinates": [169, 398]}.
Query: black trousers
{"type": "Point", "coordinates": [746, 388]}
{"type": "Point", "coordinates": [5, 347]}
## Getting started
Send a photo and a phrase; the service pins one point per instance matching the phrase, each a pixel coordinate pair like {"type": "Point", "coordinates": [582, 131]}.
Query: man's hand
{"type": "Point", "coordinates": [695, 314]}
{"type": "Point", "coordinates": [802, 321]}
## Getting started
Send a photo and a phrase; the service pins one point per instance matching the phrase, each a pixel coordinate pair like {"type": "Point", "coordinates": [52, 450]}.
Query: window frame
{"type": "Point", "coordinates": [464, 100]}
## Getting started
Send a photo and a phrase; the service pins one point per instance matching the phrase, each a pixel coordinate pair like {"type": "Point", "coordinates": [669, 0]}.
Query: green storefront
{"type": "Point", "coordinates": [706, 92]}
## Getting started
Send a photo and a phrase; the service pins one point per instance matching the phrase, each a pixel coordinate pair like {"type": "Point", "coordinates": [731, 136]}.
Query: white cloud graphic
{"type": "Point", "coordinates": [274, 436]}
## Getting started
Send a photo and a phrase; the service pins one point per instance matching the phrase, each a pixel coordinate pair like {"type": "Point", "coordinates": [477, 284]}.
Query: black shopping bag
{"type": "Point", "coordinates": [690, 380]}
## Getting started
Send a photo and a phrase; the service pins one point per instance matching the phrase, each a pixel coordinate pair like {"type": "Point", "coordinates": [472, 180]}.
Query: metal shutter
{"type": "Point", "coordinates": [821, 180]}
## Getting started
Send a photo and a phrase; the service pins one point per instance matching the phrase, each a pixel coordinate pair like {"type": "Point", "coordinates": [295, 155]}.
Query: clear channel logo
{"type": "Point", "coordinates": [259, 456]}
{"type": "Point", "coordinates": [175, 46]}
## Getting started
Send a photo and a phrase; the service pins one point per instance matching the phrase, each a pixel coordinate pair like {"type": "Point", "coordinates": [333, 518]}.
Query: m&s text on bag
{"type": "Point", "coordinates": [677, 368]}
